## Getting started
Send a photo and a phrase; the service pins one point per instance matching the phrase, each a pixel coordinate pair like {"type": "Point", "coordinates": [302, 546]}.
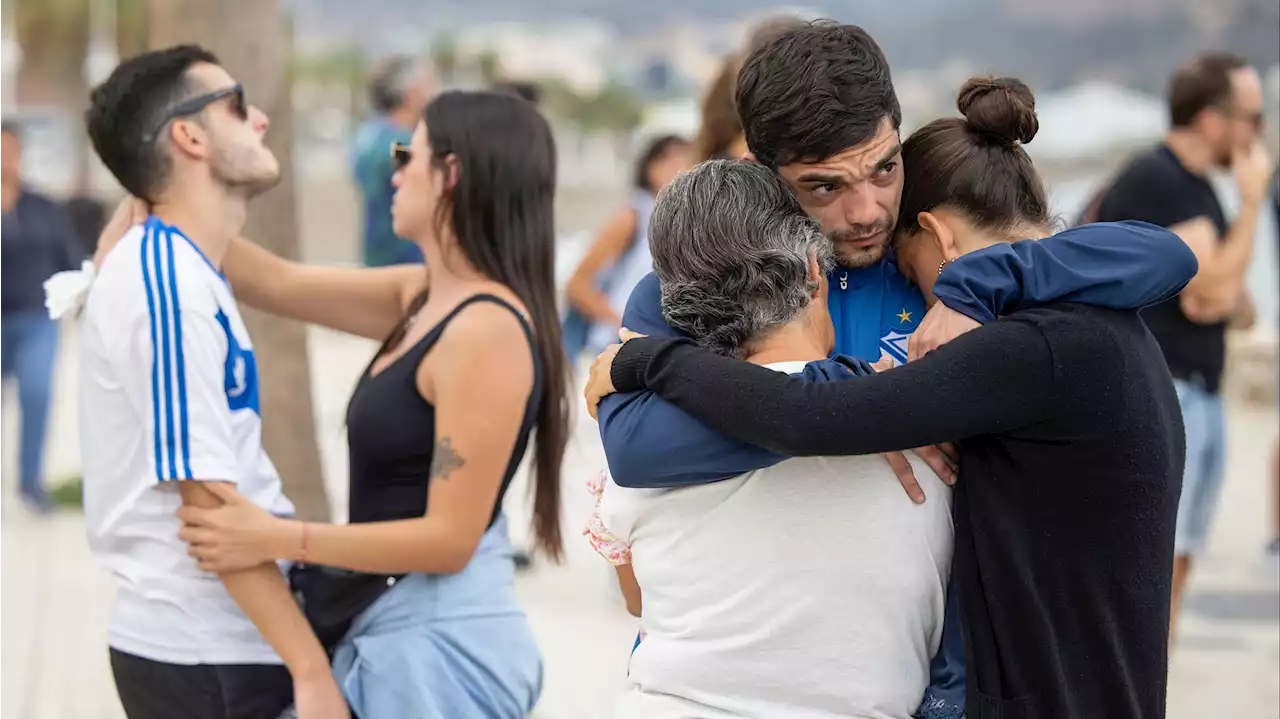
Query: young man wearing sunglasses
{"type": "Point", "coordinates": [169, 398]}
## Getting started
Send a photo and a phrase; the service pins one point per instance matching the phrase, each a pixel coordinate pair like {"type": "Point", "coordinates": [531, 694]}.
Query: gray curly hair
{"type": "Point", "coordinates": [732, 247]}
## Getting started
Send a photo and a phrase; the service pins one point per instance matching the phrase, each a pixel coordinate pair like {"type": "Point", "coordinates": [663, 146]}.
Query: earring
{"type": "Point", "coordinates": [941, 264]}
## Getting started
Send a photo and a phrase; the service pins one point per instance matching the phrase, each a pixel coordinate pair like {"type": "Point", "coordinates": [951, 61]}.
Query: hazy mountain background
{"type": "Point", "coordinates": [1052, 44]}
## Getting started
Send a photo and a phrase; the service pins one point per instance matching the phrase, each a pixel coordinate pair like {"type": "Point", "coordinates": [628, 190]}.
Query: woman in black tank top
{"type": "Point", "coordinates": [424, 620]}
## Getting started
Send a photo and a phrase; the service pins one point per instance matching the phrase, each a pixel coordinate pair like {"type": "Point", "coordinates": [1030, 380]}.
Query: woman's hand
{"type": "Point", "coordinates": [65, 292]}
{"type": "Point", "coordinates": [236, 536]}
{"type": "Point", "coordinates": [599, 382]}
{"type": "Point", "coordinates": [940, 325]}
{"type": "Point", "coordinates": [130, 212]}
{"type": "Point", "coordinates": [318, 697]}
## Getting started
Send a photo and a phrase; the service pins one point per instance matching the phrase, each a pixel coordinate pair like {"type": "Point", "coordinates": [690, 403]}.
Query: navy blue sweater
{"type": "Point", "coordinates": [38, 241]}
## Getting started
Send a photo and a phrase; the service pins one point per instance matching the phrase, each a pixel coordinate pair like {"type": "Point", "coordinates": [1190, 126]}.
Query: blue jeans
{"type": "Point", "coordinates": [1206, 460]}
{"type": "Point", "coordinates": [28, 347]}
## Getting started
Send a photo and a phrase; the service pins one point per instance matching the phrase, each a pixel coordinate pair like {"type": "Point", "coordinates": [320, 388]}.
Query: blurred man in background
{"type": "Point", "coordinates": [1215, 113]}
{"type": "Point", "coordinates": [38, 240]}
{"type": "Point", "coordinates": [399, 91]}
{"type": "Point", "coordinates": [1274, 548]}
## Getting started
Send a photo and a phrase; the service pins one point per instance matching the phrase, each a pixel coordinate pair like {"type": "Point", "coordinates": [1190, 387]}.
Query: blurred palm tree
{"type": "Point", "coordinates": [444, 55]}
{"type": "Point", "coordinates": [54, 35]}
{"type": "Point", "coordinates": [51, 83]}
{"type": "Point", "coordinates": [252, 39]}
{"type": "Point", "coordinates": [131, 26]}
{"type": "Point", "coordinates": [489, 66]}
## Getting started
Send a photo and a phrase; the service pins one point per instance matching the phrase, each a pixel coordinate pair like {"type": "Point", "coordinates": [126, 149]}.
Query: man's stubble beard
{"type": "Point", "coordinates": [857, 259]}
{"type": "Point", "coordinates": [860, 258]}
{"type": "Point", "coordinates": [255, 187]}
{"type": "Point", "coordinates": [243, 183]}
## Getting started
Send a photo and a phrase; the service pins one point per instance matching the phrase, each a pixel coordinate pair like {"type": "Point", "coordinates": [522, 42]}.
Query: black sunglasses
{"type": "Point", "coordinates": [401, 155]}
{"type": "Point", "coordinates": [186, 108]}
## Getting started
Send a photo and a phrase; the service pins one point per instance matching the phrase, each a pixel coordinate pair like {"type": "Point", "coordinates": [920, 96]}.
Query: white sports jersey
{"type": "Point", "coordinates": [812, 589]}
{"type": "Point", "coordinates": [169, 391]}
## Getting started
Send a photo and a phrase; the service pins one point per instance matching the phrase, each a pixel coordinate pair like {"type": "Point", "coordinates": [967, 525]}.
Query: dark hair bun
{"type": "Point", "coordinates": [1002, 108]}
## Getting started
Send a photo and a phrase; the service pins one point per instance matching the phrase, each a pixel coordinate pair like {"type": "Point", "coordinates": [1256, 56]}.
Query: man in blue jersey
{"type": "Point", "coordinates": [819, 108]}
{"type": "Point", "coordinates": [400, 89]}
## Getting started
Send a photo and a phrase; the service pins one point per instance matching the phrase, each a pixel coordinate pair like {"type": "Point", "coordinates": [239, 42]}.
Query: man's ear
{"type": "Point", "coordinates": [189, 138]}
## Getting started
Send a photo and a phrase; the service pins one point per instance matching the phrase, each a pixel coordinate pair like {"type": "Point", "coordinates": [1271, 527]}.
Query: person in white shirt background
{"type": "Point", "coordinates": [169, 405]}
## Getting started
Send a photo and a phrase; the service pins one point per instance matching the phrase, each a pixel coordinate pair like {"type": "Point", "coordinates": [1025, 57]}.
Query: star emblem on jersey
{"type": "Point", "coordinates": [904, 316]}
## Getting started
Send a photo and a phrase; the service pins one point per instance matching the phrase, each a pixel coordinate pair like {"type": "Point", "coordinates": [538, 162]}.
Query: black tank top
{"type": "Point", "coordinates": [391, 432]}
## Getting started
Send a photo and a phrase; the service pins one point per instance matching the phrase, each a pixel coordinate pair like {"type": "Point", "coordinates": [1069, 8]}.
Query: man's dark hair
{"type": "Point", "coordinates": [131, 105]}
{"type": "Point", "coordinates": [11, 127]}
{"type": "Point", "coordinates": [814, 92]}
{"type": "Point", "coordinates": [1203, 82]}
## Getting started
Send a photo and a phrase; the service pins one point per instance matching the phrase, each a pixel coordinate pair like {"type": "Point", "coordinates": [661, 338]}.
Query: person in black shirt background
{"type": "Point", "coordinates": [1070, 438]}
{"type": "Point", "coordinates": [38, 242]}
{"type": "Point", "coordinates": [1215, 112]}
{"type": "Point", "coordinates": [1274, 548]}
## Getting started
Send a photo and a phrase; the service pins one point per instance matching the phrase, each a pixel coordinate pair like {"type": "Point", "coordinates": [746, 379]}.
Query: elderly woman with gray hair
{"type": "Point", "coordinates": [837, 609]}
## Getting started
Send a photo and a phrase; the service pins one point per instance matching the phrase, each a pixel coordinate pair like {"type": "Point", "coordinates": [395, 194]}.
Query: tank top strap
{"type": "Point", "coordinates": [535, 393]}
{"type": "Point", "coordinates": [429, 339]}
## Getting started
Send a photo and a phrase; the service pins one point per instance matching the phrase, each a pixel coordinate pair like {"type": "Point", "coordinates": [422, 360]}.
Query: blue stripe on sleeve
{"type": "Point", "coordinates": [165, 350]}
{"type": "Point", "coordinates": [156, 357]}
{"type": "Point", "coordinates": [181, 367]}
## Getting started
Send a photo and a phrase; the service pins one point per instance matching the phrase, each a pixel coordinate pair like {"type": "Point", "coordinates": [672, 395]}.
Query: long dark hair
{"type": "Point", "coordinates": [501, 213]}
{"type": "Point", "coordinates": [720, 125]}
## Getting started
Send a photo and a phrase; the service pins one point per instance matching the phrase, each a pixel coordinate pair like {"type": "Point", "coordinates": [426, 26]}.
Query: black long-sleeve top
{"type": "Point", "coordinates": [1072, 451]}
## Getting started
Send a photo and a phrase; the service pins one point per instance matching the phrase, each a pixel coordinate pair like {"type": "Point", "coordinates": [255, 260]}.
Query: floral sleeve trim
{"type": "Point", "coordinates": [606, 543]}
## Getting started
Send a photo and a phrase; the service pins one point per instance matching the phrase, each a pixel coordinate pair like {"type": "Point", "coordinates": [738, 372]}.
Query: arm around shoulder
{"type": "Point", "coordinates": [367, 302]}
{"type": "Point", "coordinates": [995, 378]}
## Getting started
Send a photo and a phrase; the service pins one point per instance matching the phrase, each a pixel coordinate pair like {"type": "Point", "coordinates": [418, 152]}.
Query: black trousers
{"type": "Point", "coordinates": [155, 690]}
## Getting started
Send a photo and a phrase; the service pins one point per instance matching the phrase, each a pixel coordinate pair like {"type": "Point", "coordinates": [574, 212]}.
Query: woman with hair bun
{"type": "Point", "coordinates": [1067, 422]}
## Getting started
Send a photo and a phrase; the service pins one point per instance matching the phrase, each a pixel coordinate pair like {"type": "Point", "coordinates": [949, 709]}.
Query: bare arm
{"type": "Point", "coordinates": [264, 597]}
{"type": "Point", "coordinates": [1214, 292]}
{"type": "Point", "coordinates": [481, 361]}
{"type": "Point", "coordinates": [367, 302]}
{"type": "Point", "coordinates": [612, 240]}
{"type": "Point", "coordinates": [1243, 316]}
{"type": "Point", "coordinates": [630, 588]}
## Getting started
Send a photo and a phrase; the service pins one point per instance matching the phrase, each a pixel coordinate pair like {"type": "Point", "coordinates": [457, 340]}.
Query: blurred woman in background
{"type": "Point", "coordinates": [619, 255]}
{"type": "Point", "coordinates": [720, 136]}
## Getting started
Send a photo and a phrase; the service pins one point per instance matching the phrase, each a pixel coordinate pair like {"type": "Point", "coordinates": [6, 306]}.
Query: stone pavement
{"type": "Point", "coordinates": [55, 601]}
